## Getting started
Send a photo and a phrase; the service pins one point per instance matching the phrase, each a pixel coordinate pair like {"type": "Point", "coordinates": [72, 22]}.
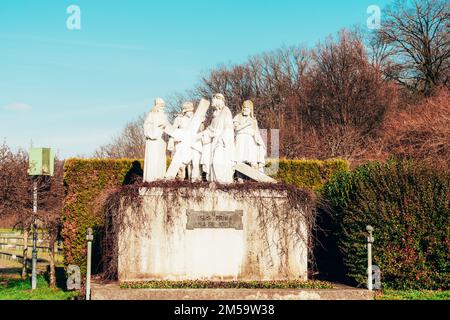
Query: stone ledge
{"type": "Point", "coordinates": [211, 192]}
{"type": "Point", "coordinates": [114, 292]}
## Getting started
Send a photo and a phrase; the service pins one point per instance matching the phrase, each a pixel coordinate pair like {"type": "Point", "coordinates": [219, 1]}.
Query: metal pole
{"type": "Point", "coordinates": [34, 252]}
{"type": "Point", "coordinates": [369, 258]}
{"type": "Point", "coordinates": [89, 238]}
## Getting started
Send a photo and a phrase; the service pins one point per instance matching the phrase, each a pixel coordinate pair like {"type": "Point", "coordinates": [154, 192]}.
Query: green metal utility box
{"type": "Point", "coordinates": [41, 162]}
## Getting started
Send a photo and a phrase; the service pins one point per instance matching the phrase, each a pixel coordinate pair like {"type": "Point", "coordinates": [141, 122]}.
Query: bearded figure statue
{"type": "Point", "coordinates": [182, 121]}
{"type": "Point", "coordinates": [218, 143]}
{"type": "Point", "coordinates": [155, 142]}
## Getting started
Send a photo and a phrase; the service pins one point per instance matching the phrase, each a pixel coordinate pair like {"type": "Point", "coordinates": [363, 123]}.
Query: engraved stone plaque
{"type": "Point", "coordinates": [214, 219]}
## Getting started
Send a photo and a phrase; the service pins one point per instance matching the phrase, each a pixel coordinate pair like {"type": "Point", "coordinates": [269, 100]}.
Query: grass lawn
{"type": "Point", "coordinates": [413, 295]}
{"type": "Point", "coordinates": [13, 288]}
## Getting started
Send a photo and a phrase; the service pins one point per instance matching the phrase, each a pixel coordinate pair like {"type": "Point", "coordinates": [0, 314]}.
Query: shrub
{"type": "Point", "coordinates": [408, 205]}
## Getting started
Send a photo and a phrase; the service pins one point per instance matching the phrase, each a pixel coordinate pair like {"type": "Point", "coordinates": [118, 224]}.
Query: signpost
{"type": "Point", "coordinates": [370, 240]}
{"type": "Point", "coordinates": [89, 238]}
{"type": "Point", "coordinates": [41, 163]}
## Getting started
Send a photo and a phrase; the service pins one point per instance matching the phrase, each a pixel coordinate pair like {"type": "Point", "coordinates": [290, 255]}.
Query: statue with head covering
{"type": "Point", "coordinates": [218, 143]}
{"type": "Point", "coordinates": [182, 121]}
{"type": "Point", "coordinates": [155, 142]}
{"type": "Point", "coordinates": [250, 147]}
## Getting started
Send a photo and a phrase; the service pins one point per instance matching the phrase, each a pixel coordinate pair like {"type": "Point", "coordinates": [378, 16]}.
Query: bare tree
{"type": "Point", "coordinates": [346, 97]}
{"type": "Point", "coordinates": [325, 102]}
{"type": "Point", "coordinates": [416, 32]}
{"type": "Point", "coordinates": [343, 87]}
{"type": "Point", "coordinates": [129, 144]}
{"type": "Point", "coordinates": [421, 131]}
{"type": "Point", "coordinates": [273, 81]}
{"type": "Point", "coordinates": [16, 194]}
{"type": "Point", "coordinates": [16, 199]}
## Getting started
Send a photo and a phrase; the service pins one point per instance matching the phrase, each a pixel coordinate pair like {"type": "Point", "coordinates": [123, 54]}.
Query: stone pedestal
{"type": "Point", "coordinates": [213, 235]}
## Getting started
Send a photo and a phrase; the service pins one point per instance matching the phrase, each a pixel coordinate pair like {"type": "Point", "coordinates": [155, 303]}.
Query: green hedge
{"type": "Point", "coordinates": [309, 173]}
{"type": "Point", "coordinates": [89, 181]}
{"type": "Point", "coordinates": [408, 205]}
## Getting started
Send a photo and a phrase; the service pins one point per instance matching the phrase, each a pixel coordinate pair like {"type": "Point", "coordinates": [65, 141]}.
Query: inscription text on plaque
{"type": "Point", "coordinates": [214, 219]}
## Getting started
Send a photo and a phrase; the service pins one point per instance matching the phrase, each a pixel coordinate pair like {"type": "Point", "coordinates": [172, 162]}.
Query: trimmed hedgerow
{"type": "Point", "coordinates": [408, 205]}
{"type": "Point", "coordinates": [309, 173]}
{"type": "Point", "coordinates": [90, 181]}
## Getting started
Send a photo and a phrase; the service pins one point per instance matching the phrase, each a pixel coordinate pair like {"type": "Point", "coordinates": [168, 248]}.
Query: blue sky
{"type": "Point", "coordinates": [74, 90]}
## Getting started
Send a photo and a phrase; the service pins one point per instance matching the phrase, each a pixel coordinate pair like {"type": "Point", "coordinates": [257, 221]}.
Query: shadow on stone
{"type": "Point", "coordinates": [134, 175]}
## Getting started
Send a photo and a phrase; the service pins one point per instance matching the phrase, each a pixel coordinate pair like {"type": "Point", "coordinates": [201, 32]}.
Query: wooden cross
{"type": "Point", "coordinates": [187, 138]}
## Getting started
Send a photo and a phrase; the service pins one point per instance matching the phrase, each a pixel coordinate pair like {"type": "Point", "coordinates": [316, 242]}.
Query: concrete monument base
{"type": "Point", "coordinates": [209, 234]}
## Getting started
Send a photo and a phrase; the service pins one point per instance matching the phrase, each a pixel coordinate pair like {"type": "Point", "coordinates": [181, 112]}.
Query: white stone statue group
{"type": "Point", "coordinates": [215, 150]}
